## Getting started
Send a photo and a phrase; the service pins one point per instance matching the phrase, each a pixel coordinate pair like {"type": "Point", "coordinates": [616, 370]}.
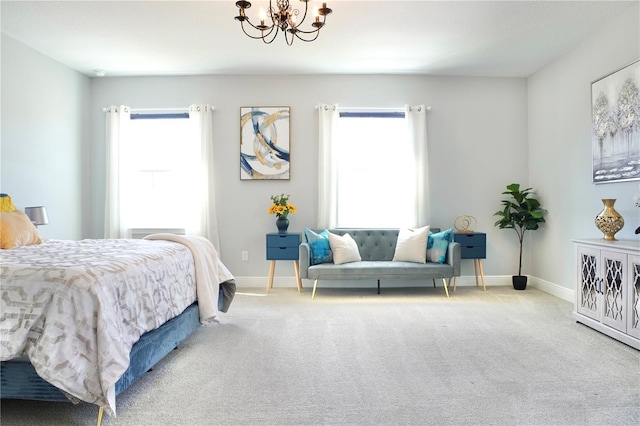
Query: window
{"type": "Point", "coordinates": [376, 183]}
{"type": "Point", "coordinates": [159, 160]}
{"type": "Point", "coordinates": [160, 172]}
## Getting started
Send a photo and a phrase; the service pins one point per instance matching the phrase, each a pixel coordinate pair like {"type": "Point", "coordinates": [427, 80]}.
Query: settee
{"type": "Point", "coordinates": [377, 248]}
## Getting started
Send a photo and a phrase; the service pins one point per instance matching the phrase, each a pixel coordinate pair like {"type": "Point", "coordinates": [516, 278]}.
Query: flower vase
{"type": "Point", "coordinates": [609, 221]}
{"type": "Point", "coordinates": [283, 224]}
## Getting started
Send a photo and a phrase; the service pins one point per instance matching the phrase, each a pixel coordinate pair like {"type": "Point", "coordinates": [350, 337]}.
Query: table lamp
{"type": "Point", "coordinates": [37, 215]}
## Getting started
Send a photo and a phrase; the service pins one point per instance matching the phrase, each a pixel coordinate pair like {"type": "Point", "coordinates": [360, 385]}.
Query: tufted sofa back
{"type": "Point", "coordinates": [373, 244]}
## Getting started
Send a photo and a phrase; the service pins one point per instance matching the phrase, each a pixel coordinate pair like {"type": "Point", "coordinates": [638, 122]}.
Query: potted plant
{"type": "Point", "coordinates": [521, 212]}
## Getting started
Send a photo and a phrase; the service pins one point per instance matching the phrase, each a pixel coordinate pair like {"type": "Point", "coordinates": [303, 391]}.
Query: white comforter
{"type": "Point", "coordinates": [76, 308]}
{"type": "Point", "coordinates": [210, 271]}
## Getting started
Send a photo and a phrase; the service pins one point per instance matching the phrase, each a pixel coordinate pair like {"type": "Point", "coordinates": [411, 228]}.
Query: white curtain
{"type": "Point", "coordinates": [201, 118]}
{"type": "Point", "coordinates": [327, 167]}
{"type": "Point", "coordinates": [117, 118]}
{"type": "Point", "coordinates": [416, 117]}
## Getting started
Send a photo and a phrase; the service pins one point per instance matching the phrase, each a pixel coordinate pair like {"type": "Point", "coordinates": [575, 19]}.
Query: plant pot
{"type": "Point", "coordinates": [519, 282]}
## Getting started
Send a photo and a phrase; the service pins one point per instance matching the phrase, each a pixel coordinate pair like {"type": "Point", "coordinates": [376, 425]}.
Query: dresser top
{"type": "Point", "coordinates": [633, 245]}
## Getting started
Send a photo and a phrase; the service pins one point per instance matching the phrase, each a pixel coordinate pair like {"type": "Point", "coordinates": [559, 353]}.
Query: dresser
{"type": "Point", "coordinates": [473, 245]}
{"type": "Point", "coordinates": [283, 247]}
{"type": "Point", "coordinates": [608, 287]}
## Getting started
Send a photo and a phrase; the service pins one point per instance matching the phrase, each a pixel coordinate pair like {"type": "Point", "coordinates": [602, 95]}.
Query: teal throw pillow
{"type": "Point", "coordinates": [437, 245]}
{"type": "Point", "coordinates": [319, 245]}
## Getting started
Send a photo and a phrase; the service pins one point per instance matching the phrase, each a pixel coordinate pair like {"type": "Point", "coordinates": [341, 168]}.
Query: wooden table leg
{"type": "Point", "coordinates": [272, 270]}
{"type": "Point", "coordinates": [484, 286]}
{"type": "Point", "coordinates": [296, 267]}
{"type": "Point", "coordinates": [475, 269]}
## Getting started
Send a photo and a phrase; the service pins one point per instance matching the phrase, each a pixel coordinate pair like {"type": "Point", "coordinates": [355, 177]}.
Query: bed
{"type": "Point", "coordinates": [81, 320]}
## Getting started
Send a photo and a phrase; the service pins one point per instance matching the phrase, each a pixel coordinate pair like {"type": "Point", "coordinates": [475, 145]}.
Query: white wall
{"type": "Point", "coordinates": [477, 144]}
{"type": "Point", "coordinates": [44, 124]}
{"type": "Point", "coordinates": [484, 133]}
{"type": "Point", "coordinates": [560, 148]}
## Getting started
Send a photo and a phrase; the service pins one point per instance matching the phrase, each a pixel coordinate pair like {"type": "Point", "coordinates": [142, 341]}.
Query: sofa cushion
{"type": "Point", "coordinates": [412, 245]}
{"type": "Point", "coordinates": [437, 245]}
{"type": "Point", "coordinates": [319, 246]}
{"type": "Point", "coordinates": [380, 270]}
{"type": "Point", "coordinates": [344, 249]}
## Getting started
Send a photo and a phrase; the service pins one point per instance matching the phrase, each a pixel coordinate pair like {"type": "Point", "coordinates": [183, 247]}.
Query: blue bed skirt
{"type": "Point", "coordinates": [19, 379]}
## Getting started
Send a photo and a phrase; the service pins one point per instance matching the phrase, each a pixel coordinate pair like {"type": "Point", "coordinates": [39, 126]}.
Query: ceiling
{"type": "Point", "coordinates": [465, 38]}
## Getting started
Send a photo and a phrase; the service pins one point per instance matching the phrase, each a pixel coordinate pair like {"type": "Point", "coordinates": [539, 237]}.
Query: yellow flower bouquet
{"type": "Point", "coordinates": [281, 206]}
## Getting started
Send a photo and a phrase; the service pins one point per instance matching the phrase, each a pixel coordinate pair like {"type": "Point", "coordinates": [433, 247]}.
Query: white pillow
{"type": "Point", "coordinates": [344, 249]}
{"type": "Point", "coordinates": [412, 245]}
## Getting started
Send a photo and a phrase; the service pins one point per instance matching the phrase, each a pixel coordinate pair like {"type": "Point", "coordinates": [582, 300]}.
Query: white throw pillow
{"type": "Point", "coordinates": [412, 245]}
{"type": "Point", "coordinates": [344, 249]}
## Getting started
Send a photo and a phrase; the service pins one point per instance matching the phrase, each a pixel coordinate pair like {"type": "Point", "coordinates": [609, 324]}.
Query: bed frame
{"type": "Point", "coordinates": [19, 380]}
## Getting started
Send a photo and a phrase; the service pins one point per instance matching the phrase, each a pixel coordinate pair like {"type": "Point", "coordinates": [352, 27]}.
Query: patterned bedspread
{"type": "Point", "coordinates": [76, 308]}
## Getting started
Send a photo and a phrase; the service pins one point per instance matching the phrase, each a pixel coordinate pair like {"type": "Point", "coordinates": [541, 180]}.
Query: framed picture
{"type": "Point", "coordinates": [264, 143]}
{"type": "Point", "coordinates": [615, 125]}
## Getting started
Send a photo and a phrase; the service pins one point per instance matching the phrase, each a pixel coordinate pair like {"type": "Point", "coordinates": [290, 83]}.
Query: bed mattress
{"type": "Point", "coordinates": [76, 308]}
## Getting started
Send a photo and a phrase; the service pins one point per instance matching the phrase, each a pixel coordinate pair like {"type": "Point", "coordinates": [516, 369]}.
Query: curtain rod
{"type": "Point", "coordinates": [105, 109]}
{"type": "Point", "coordinates": [428, 108]}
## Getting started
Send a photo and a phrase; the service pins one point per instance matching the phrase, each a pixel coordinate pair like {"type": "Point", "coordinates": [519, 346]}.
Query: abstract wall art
{"type": "Point", "coordinates": [264, 143]}
{"type": "Point", "coordinates": [615, 125]}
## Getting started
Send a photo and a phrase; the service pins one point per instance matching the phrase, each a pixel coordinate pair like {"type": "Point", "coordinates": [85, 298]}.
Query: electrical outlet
{"type": "Point", "coordinates": [245, 256]}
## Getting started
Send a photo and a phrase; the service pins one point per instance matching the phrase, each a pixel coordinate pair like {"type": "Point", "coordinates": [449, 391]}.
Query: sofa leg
{"type": "Point", "coordinates": [378, 286]}
{"type": "Point", "coordinates": [446, 290]}
{"type": "Point", "coordinates": [434, 283]}
{"type": "Point", "coordinates": [313, 294]}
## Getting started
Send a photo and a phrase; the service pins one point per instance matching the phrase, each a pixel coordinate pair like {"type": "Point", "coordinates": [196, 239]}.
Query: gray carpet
{"type": "Point", "coordinates": [408, 356]}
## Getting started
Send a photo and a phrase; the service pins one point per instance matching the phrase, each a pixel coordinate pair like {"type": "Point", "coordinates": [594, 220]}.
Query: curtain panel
{"type": "Point", "coordinates": [116, 118]}
{"type": "Point", "coordinates": [416, 117]}
{"type": "Point", "coordinates": [327, 167]}
{"type": "Point", "coordinates": [201, 118]}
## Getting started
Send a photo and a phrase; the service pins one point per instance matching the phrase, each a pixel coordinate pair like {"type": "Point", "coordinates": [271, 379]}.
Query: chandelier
{"type": "Point", "coordinates": [282, 17]}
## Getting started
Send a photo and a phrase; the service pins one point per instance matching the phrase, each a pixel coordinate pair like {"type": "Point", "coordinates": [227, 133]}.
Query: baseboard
{"type": "Point", "coordinates": [553, 289]}
{"type": "Point", "coordinates": [463, 281]}
{"type": "Point", "coordinates": [494, 280]}
{"type": "Point", "coordinates": [261, 282]}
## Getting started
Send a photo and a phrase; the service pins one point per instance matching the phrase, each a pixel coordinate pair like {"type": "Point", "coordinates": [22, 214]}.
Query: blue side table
{"type": "Point", "coordinates": [283, 247]}
{"type": "Point", "coordinates": [473, 245]}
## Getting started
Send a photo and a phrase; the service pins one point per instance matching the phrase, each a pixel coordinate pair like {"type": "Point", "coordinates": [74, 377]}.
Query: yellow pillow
{"type": "Point", "coordinates": [16, 230]}
{"type": "Point", "coordinates": [6, 205]}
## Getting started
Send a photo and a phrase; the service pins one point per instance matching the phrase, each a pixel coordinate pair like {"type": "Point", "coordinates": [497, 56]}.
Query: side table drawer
{"type": "Point", "coordinates": [473, 252]}
{"type": "Point", "coordinates": [283, 240]}
{"type": "Point", "coordinates": [472, 246]}
{"type": "Point", "coordinates": [283, 246]}
{"type": "Point", "coordinates": [282, 253]}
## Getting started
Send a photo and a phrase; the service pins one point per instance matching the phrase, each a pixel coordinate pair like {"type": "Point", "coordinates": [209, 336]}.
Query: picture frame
{"type": "Point", "coordinates": [615, 125]}
{"type": "Point", "coordinates": [265, 143]}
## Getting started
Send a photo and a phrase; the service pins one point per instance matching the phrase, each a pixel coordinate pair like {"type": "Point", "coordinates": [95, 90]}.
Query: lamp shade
{"type": "Point", "coordinates": [38, 215]}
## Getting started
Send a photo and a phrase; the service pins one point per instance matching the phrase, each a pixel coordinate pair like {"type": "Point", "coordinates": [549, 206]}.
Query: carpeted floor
{"type": "Point", "coordinates": [409, 356]}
